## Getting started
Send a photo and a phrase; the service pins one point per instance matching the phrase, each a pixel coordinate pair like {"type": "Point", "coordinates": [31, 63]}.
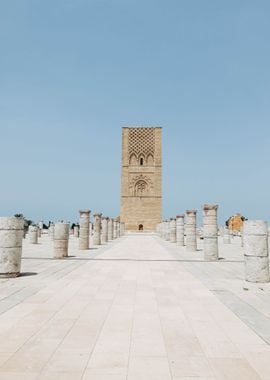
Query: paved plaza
{"type": "Point", "coordinates": [137, 308]}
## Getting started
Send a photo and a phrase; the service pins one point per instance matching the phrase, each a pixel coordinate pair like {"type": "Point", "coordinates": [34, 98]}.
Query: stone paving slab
{"type": "Point", "coordinates": [134, 309]}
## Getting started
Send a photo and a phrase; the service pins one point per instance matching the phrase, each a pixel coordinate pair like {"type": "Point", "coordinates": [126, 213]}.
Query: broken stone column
{"type": "Point", "coordinates": [51, 231]}
{"type": "Point", "coordinates": [61, 236]}
{"type": "Point", "coordinates": [242, 236]}
{"type": "Point", "coordinates": [25, 228]}
{"type": "Point", "coordinates": [161, 230]}
{"type": "Point", "coordinates": [84, 229]}
{"type": "Point", "coordinates": [104, 230]}
{"type": "Point", "coordinates": [226, 236]}
{"type": "Point", "coordinates": [167, 230]}
{"type": "Point", "coordinates": [190, 230]}
{"type": "Point", "coordinates": [168, 237]}
{"type": "Point", "coordinates": [122, 229]}
{"type": "Point", "coordinates": [172, 226]}
{"type": "Point", "coordinates": [164, 230]}
{"type": "Point", "coordinates": [91, 232]}
{"type": "Point", "coordinates": [76, 231]}
{"type": "Point", "coordinates": [40, 226]}
{"type": "Point", "coordinates": [97, 229]}
{"type": "Point", "coordinates": [107, 237]}
{"type": "Point", "coordinates": [256, 251]}
{"type": "Point", "coordinates": [114, 229]}
{"type": "Point", "coordinates": [11, 235]}
{"type": "Point", "coordinates": [268, 239]}
{"type": "Point", "coordinates": [110, 229]}
{"type": "Point", "coordinates": [33, 234]}
{"type": "Point", "coordinates": [118, 229]}
{"type": "Point", "coordinates": [210, 232]}
{"type": "Point", "coordinates": [180, 230]}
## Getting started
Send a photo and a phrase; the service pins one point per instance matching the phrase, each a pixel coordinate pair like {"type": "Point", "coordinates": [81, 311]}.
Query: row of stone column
{"type": "Point", "coordinates": [12, 233]}
{"type": "Point", "coordinates": [34, 233]}
{"type": "Point", "coordinates": [254, 236]}
{"type": "Point", "coordinates": [105, 229]}
{"type": "Point", "coordinates": [182, 230]}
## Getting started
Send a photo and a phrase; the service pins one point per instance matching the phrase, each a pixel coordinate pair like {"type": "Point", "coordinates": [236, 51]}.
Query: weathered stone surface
{"type": "Point", "coordinates": [158, 229]}
{"type": "Point", "coordinates": [84, 229]}
{"type": "Point", "coordinates": [40, 225]}
{"type": "Point", "coordinates": [90, 230]}
{"type": "Point", "coordinates": [10, 223]}
{"type": "Point", "coordinates": [61, 231]}
{"type": "Point", "coordinates": [255, 238]}
{"type": "Point", "coordinates": [122, 229]}
{"type": "Point", "coordinates": [268, 238]}
{"type": "Point", "coordinates": [104, 230]}
{"type": "Point", "coordinates": [210, 227]}
{"type": "Point", "coordinates": [172, 226]}
{"type": "Point", "coordinates": [221, 230]}
{"type": "Point", "coordinates": [11, 235]}
{"type": "Point", "coordinates": [256, 245]}
{"type": "Point", "coordinates": [118, 229]}
{"type": "Point", "coordinates": [167, 230]}
{"type": "Point", "coordinates": [97, 229]}
{"type": "Point", "coordinates": [161, 229]}
{"type": "Point", "coordinates": [210, 232]}
{"type": "Point", "coordinates": [110, 229]}
{"type": "Point", "coordinates": [255, 228]}
{"type": "Point", "coordinates": [210, 248]}
{"type": "Point", "coordinates": [61, 237]}
{"type": "Point", "coordinates": [180, 230]}
{"type": "Point", "coordinates": [76, 231]}
{"type": "Point", "coordinates": [256, 269]}
{"type": "Point", "coordinates": [33, 234]}
{"type": "Point", "coordinates": [256, 251]}
{"type": "Point", "coordinates": [114, 229]}
{"type": "Point", "coordinates": [190, 230]}
{"type": "Point", "coordinates": [226, 236]}
{"type": "Point", "coordinates": [10, 238]}
{"type": "Point", "coordinates": [51, 231]}
{"type": "Point", "coordinates": [242, 236]}
{"type": "Point", "coordinates": [10, 262]}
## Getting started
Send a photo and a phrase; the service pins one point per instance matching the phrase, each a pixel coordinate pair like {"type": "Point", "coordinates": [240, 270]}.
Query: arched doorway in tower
{"type": "Point", "coordinates": [140, 227]}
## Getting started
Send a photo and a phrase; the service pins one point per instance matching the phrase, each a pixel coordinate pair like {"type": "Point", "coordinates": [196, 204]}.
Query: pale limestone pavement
{"type": "Point", "coordinates": [138, 308]}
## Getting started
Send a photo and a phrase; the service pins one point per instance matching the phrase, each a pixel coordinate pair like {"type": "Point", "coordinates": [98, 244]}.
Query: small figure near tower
{"type": "Point", "coordinates": [141, 196]}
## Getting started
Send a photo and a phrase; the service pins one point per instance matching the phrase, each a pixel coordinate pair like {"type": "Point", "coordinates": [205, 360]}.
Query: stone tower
{"type": "Point", "coordinates": [141, 196]}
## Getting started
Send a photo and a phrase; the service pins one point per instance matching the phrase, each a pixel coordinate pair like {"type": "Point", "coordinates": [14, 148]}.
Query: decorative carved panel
{"type": "Point", "coordinates": [141, 185]}
{"type": "Point", "coordinates": [141, 143]}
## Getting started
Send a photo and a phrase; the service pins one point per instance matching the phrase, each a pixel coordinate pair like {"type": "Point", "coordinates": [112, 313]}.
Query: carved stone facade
{"type": "Point", "coordinates": [141, 197]}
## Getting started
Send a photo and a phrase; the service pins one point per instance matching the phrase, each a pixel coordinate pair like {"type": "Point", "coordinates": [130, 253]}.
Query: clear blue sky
{"type": "Point", "coordinates": [73, 72]}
